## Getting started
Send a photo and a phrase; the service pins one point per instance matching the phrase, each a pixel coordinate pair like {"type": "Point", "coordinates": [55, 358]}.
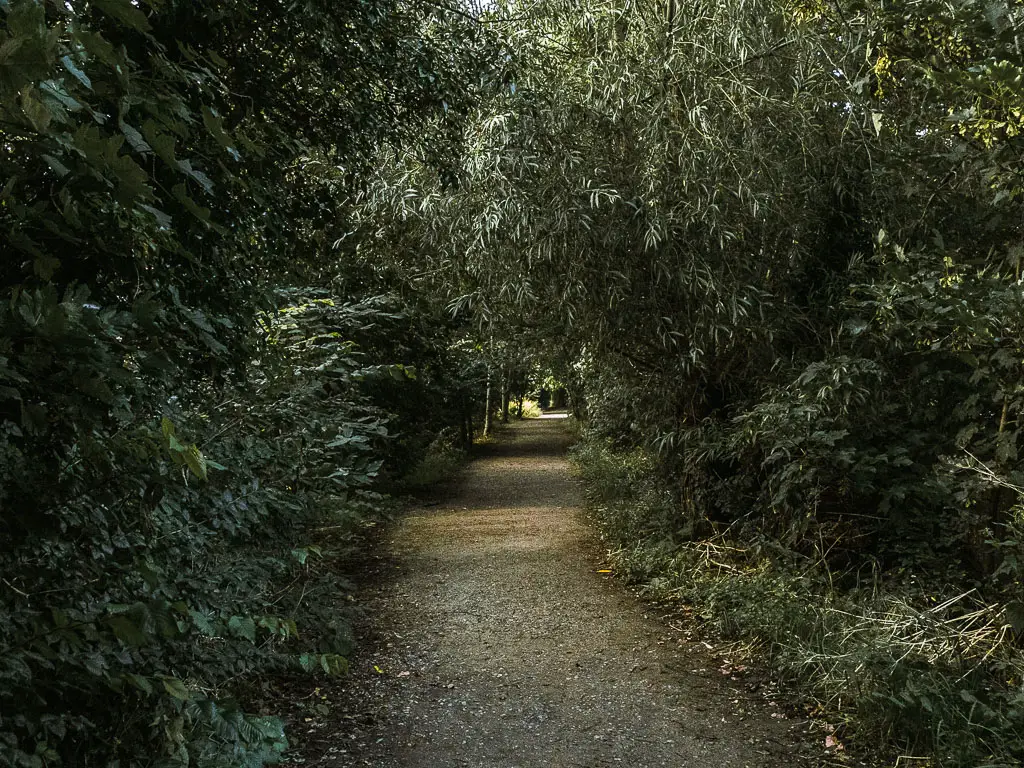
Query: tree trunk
{"type": "Point", "coordinates": [487, 405]}
{"type": "Point", "coordinates": [505, 395]}
{"type": "Point", "coordinates": [466, 427]}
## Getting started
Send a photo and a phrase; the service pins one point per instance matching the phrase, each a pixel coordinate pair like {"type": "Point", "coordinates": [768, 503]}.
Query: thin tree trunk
{"type": "Point", "coordinates": [505, 395]}
{"type": "Point", "coordinates": [466, 428]}
{"type": "Point", "coordinates": [487, 405]}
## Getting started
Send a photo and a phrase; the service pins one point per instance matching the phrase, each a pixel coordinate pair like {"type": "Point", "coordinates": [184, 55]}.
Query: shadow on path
{"type": "Point", "coordinates": [499, 645]}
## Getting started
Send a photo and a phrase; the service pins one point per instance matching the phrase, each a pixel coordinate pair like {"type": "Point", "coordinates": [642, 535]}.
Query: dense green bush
{"type": "Point", "coordinates": [904, 660]}
{"type": "Point", "coordinates": [189, 444]}
{"type": "Point", "coordinates": [157, 587]}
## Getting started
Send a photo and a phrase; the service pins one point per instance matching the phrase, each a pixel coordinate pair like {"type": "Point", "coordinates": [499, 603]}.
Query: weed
{"type": "Point", "coordinates": [531, 409]}
{"type": "Point", "coordinates": [904, 661]}
{"type": "Point", "coordinates": [441, 461]}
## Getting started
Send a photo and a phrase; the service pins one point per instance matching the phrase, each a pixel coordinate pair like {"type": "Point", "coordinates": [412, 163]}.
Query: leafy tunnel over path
{"type": "Point", "coordinates": [268, 263]}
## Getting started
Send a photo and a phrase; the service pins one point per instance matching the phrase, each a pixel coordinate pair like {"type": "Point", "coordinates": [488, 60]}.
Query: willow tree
{"type": "Point", "coordinates": [738, 220]}
{"type": "Point", "coordinates": [656, 185]}
{"type": "Point", "coordinates": [778, 245]}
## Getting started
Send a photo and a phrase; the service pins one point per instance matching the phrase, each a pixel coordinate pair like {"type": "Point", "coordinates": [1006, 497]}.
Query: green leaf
{"type": "Point", "coordinates": [195, 461]}
{"type": "Point", "coordinates": [876, 121]}
{"type": "Point", "coordinates": [59, 168]}
{"type": "Point", "coordinates": [162, 219]}
{"type": "Point", "coordinates": [167, 427]}
{"type": "Point", "coordinates": [96, 45]}
{"type": "Point", "coordinates": [215, 125]}
{"type": "Point", "coordinates": [35, 110]}
{"type": "Point", "coordinates": [197, 175]}
{"type": "Point", "coordinates": [176, 688]}
{"type": "Point", "coordinates": [126, 631]}
{"type": "Point", "coordinates": [217, 59]}
{"type": "Point", "coordinates": [161, 143]}
{"type": "Point", "coordinates": [333, 664]}
{"type": "Point", "coordinates": [140, 682]}
{"type": "Point", "coordinates": [125, 12]}
{"type": "Point", "coordinates": [1014, 617]}
{"type": "Point", "coordinates": [181, 194]}
{"type": "Point", "coordinates": [243, 626]}
{"type": "Point", "coordinates": [10, 47]}
{"type": "Point", "coordinates": [25, 20]}
{"type": "Point", "coordinates": [131, 180]}
{"type": "Point", "coordinates": [45, 266]}
{"type": "Point", "coordinates": [53, 91]}
{"type": "Point", "coordinates": [135, 138]}
{"type": "Point", "coordinates": [71, 67]}
{"type": "Point", "coordinates": [202, 623]}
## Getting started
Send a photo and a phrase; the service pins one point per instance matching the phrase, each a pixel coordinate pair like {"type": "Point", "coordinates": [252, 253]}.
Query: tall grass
{"type": "Point", "coordinates": [910, 665]}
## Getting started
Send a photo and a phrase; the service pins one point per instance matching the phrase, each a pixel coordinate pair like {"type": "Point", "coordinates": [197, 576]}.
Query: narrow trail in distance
{"type": "Point", "coordinates": [494, 642]}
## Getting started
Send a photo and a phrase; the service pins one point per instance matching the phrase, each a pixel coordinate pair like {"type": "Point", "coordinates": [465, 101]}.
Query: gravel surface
{"type": "Point", "coordinates": [494, 641]}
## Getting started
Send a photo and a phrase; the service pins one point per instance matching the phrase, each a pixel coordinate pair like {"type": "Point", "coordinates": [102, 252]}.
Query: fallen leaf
{"type": "Point", "coordinates": [831, 741]}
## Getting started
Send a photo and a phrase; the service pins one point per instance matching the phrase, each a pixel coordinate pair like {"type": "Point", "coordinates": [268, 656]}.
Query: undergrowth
{"type": "Point", "coordinates": [161, 589]}
{"type": "Point", "coordinates": [442, 459]}
{"type": "Point", "coordinates": [908, 664]}
{"type": "Point", "coordinates": [531, 409]}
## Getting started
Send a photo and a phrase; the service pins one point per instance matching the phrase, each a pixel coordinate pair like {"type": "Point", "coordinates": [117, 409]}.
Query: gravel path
{"type": "Point", "coordinates": [497, 643]}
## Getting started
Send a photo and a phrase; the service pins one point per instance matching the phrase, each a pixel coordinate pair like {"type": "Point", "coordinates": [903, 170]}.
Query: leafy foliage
{"type": "Point", "coordinates": [184, 433]}
{"type": "Point", "coordinates": [263, 255]}
{"type": "Point", "coordinates": [776, 247]}
{"type": "Point", "coordinates": [879, 654]}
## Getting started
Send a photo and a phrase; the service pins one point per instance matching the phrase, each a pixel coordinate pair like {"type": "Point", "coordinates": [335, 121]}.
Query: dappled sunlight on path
{"type": "Point", "coordinates": [554, 415]}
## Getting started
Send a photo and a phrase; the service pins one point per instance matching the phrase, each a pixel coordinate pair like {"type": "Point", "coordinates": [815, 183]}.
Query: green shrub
{"type": "Point", "coordinates": [188, 445]}
{"type": "Point", "coordinates": [531, 409]}
{"type": "Point", "coordinates": [905, 663]}
{"type": "Point", "coordinates": [441, 461]}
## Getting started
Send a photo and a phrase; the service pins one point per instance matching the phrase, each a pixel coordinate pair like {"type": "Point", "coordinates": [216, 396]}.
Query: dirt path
{"type": "Point", "coordinates": [497, 644]}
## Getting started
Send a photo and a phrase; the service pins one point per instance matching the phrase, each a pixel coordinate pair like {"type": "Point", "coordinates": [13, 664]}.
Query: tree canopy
{"type": "Point", "coordinates": [776, 246]}
{"type": "Point", "coordinates": [260, 255]}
